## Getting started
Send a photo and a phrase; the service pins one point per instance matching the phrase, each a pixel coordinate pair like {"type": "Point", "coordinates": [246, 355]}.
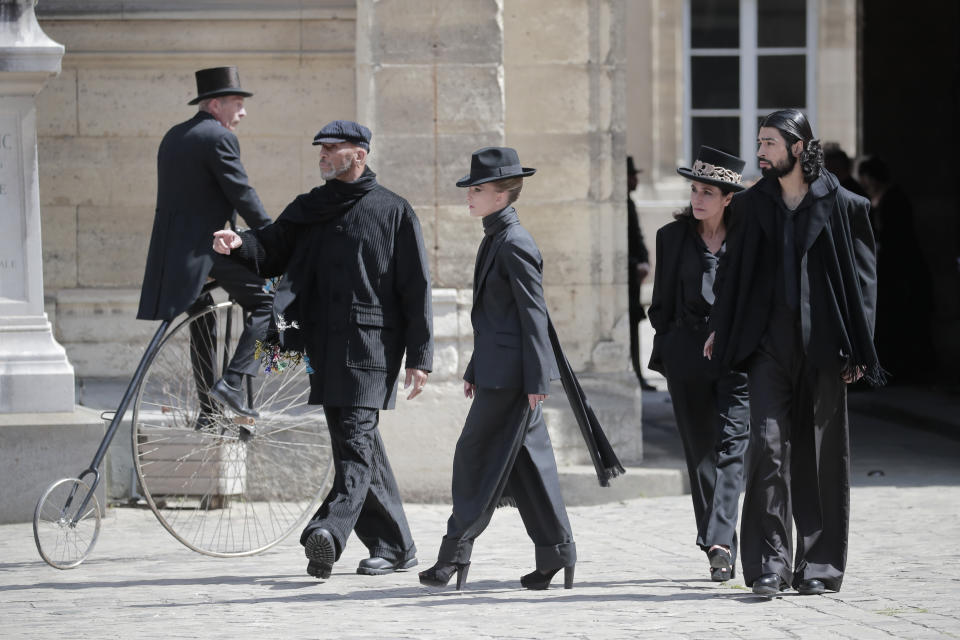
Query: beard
{"type": "Point", "coordinates": [337, 170]}
{"type": "Point", "coordinates": [780, 168]}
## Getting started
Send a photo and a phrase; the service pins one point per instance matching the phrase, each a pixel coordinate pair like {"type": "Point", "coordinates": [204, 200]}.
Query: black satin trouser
{"type": "Point", "coordinates": [799, 469]}
{"type": "Point", "coordinates": [503, 455]}
{"type": "Point", "coordinates": [365, 497]}
{"type": "Point", "coordinates": [713, 418]}
{"type": "Point", "coordinates": [246, 288]}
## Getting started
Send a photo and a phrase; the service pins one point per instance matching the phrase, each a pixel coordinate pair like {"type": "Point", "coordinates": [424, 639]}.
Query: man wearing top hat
{"type": "Point", "coordinates": [357, 284]}
{"type": "Point", "coordinates": [202, 185]}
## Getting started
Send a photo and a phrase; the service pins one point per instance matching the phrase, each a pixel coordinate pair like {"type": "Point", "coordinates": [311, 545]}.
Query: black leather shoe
{"type": "Point", "coordinates": [376, 566]}
{"type": "Point", "coordinates": [767, 585]}
{"type": "Point", "coordinates": [321, 551]}
{"type": "Point", "coordinates": [318, 570]}
{"type": "Point", "coordinates": [232, 397]}
{"type": "Point", "coordinates": [811, 587]}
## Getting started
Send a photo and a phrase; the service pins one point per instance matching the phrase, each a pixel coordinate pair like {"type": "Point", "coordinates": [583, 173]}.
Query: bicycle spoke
{"type": "Point", "coordinates": [216, 489]}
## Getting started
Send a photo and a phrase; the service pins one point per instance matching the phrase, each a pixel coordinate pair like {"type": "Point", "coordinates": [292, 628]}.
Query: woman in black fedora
{"type": "Point", "coordinates": [504, 454]}
{"type": "Point", "coordinates": [711, 408]}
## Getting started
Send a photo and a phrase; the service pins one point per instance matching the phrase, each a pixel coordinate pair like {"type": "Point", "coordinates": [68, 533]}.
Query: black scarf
{"type": "Point", "coordinates": [329, 201]}
{"type": "Point", "coordinates": [604, 458]}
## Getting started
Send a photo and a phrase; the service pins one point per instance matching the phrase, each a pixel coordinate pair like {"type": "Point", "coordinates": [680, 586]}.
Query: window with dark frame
{"type": "Point", "coordinates": [745, 59]}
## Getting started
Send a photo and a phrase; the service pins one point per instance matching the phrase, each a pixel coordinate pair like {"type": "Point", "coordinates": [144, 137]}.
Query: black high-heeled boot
{"type": "Point", "coordinates": [439, 574]}
{"type": "Point", "coordinates": [539, 581]}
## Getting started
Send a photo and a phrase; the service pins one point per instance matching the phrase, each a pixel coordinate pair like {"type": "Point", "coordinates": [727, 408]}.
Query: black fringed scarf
{"type": "Point", "coordinates": [604, 458]}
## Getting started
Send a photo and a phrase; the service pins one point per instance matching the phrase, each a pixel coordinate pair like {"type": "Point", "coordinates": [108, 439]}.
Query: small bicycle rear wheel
{"type": "Point", "coordinates": [66, 524]}
{"type": "Point", "coordinates": [223, 484]}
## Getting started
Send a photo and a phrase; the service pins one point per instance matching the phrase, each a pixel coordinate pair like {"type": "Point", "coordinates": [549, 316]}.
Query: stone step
{"type": "Point", "coordinates": [580, 485]}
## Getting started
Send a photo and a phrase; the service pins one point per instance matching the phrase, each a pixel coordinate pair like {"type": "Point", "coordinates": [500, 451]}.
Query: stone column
{"type": "Point", "coordinates": [35, 375]}
{"type": "Point", "coordinates": [437, 79]}
{"type": "Point", "coordinates": [565, 113]}
{"type": "Point", "coordinates": [430, 87]}
{"type": "Point", "coordinates": [41, 432]}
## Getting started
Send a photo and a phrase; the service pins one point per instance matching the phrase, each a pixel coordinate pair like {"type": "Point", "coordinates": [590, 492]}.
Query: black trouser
{"type": "Point", "coordinates": [365, 497]}
{"type": "Point", "coordinates": [246, 288]}
{"type": "Point", "coordinates": [799, 467]}
{"type": "Point", "coordinates": [713, 418]}
{"type": "Point", "coordinates": [504, 451]}
{"type": "Point", "coordinates": [635, 345]}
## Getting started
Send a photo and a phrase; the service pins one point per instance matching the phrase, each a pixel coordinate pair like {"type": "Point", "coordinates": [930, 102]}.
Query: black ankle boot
{"type": "Point", "coordinates": [439, 574]}
{"type": "Point", "coordinates": [538, 580]}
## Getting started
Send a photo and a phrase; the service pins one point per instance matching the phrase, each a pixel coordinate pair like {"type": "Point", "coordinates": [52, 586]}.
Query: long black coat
{"type": "Point", "coordinates": [201, 184]}
{"type": "Point", "coordinates": [511, 343]}
{"type": "Point", "coordinates": [838, 277]}
{"type": "Point", "coordinates": [361, 287]}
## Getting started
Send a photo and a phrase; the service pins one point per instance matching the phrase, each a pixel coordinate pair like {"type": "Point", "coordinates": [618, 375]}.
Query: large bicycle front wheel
{"type": "Point", "coordinates": [223, 484]}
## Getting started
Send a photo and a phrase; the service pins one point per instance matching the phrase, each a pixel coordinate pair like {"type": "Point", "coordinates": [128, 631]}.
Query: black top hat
{"type": "Point", "coordinates": [494, 163]}
{"type": "Point", "coordinates": [218, 81]}
{"type": "Point", "coordinates": [344, 131]}
{"type": "Point", "coordinates": [715, 167]}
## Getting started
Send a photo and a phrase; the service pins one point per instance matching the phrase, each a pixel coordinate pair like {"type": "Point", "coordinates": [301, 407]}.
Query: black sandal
{"type": "Point", "coordinates": [721, 564]}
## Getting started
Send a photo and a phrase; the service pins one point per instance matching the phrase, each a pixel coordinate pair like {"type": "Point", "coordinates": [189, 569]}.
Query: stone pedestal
{"type": "Point", "coordinates": [34, 372]}
{"type": "Point", "coordinates": [38, 448]}
{"type": "Point", "coordinates": [42, 437]}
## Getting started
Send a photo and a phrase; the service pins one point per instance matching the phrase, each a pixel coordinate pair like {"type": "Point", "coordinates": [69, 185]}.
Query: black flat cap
{"type": "Point", "coordinates": [344, 131]}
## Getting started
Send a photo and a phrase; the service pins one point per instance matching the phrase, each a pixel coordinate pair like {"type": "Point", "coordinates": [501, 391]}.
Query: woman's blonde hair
{"type": "Point", "coordinates": [512, 186]}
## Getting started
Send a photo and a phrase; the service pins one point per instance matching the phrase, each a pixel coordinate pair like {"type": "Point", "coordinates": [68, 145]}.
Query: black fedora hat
{"type": "Point", "coordinates": [494, 163]}
{"type": "Point", "coordinates": [715, 167]}
{"type": "Point", "coordinates": [218, 81]}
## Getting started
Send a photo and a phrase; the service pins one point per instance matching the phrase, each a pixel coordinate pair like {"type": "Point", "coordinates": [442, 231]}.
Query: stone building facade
{"type": "Point", "coordinates": [434, 80]}
{"type": "Point", "coordinates": [661, 61]}
{"type": "Point", "coordinates": [574, 85]}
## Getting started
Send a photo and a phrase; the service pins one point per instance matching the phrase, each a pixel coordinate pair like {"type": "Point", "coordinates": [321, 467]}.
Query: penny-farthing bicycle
{"type": "Point", "coordinates": [223, 484]}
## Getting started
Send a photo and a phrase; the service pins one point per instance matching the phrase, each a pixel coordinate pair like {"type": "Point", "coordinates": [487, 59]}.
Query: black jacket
{"type": "Point", "coordinates": [360, 290]}
{"type": "Point", "coordinates": [678, 342]}
{"type": "Point", "coordinates": [511, 344]}
{"type": "Point", "coordinates": [201, 184]}
{"type": "Point", "coordinates": [837, 272]}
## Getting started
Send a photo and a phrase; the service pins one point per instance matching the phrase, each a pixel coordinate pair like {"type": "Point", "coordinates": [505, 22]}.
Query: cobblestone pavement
{"type": "Point", "coordinates": [639, 574]}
